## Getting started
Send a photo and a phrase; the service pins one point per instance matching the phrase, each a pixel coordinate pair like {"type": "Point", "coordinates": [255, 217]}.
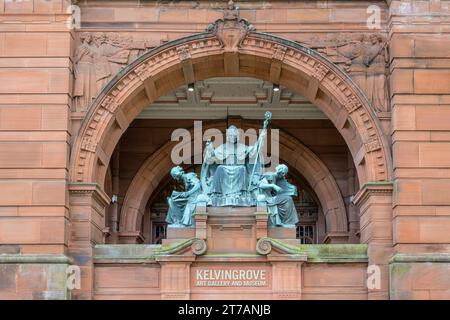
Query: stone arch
{"type": "Point", "coordinates": [297, 156]}
{"type": "Point", "coordinates": [213, 54]}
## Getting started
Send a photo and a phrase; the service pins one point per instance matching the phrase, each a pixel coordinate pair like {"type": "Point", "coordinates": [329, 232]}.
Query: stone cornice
{"type": "Point", "coordinates": [93, 189]}
{"type": "Point", "coordinates": [320, 253]}
{"type": "Point", "coordinates": [312, 253]}
{"type": "Point", "coordinates": [420, 257]}
{"type": "Point", "coordinates": [147, 253]}
{"type": "Point", "coordinates": [35, 258]}
{"type": "Point", "coordinates": [372, 188]}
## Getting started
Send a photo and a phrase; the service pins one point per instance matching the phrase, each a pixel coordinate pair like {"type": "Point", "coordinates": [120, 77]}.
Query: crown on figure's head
{"type": "Point", "coordinates": [232, 130]}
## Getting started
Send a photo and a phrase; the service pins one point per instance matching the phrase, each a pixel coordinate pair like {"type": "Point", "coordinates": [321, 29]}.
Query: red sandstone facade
{"type": "Point", "coordinates": [78, 130]}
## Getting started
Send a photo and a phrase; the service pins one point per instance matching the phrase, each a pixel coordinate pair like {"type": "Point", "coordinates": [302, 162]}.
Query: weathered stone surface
{"type": "Point", "coordinates": [45, 93]}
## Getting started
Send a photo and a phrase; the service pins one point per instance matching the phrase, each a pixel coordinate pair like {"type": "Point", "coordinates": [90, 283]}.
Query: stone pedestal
{"type": "Point", "coordinates": [226, 229]}
{"type": "Point", "coordinates": [230, 229]}
{"type": "Point", "coordinates": [177, 234]}
{"type": "Point", "coordinates": [287, 235]}
{"type": "Point", "coordinates": [230, 254]}
{"type": "Point", "coordinates": [281, 233]}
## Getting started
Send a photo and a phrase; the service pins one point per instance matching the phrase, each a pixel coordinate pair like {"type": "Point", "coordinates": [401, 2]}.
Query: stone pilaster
{"type": "Point", "coordinates": [175, 277]}
{"type": "Point", "coordinates": [87, 213]}
{"type": "Point", "coordinates": [374, 201]}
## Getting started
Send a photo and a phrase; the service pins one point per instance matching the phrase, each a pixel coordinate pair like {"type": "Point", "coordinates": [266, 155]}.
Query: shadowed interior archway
{"type": "Point", "coordinates": [205, 55]}
{"type": "Point", "coordinates": [292, 152]}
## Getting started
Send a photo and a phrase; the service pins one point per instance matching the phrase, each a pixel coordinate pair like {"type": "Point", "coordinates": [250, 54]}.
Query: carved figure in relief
{"type": "Point", "coordinates": [99, 57]}
{"type": "Point", "coordinates": [364, 57]}
{"type": "Point", "coordinates": [84, 73]}
{"type": "Point", "coordinates": [376, 58]}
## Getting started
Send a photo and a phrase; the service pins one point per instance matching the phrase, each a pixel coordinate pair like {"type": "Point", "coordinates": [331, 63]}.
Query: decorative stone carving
{"type": "Point", "coordinates": [199, 247]}
{"type": "Point", "coordinates": [373, 145]}
{"type": "Point", "coordinates": [88, 145]}
{"type": "Point", "coordinates": [84, 72]}
{"type": "Point", "coordinates": [320, 71]}
{"type": "Point", "coordinates": [183, 52]}
{"type": "Point", "coordinates": [364, 57]}
{"type": "Point", "coordinates": [279, 53]}
{"type": "Point", "coordinates": [231, 29]}
{"type": "Point", "coordinates": [109, 104]}
{"type": "Point", "coordinates": [99, 57]}
{"type": "Point", "coordinates": [256, 44]}
{"type": "Point", "coordinates": [263, 246]}
{"type": "Point", "coordinates": [352, 104]}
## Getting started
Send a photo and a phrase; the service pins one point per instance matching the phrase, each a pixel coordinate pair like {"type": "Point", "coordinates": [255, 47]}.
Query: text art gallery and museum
{"type": "Point", "coordinates": [221, 150]}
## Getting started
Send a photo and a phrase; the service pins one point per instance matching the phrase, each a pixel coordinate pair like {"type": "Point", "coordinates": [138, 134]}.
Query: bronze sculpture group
{"type": "Point", "coordinates": [233, 175]}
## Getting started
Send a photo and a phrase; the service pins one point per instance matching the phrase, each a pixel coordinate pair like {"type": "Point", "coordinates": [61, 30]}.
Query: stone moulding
{"type": "Point", "coordinates": [420, 258]}
{"type": "Point", "coordinates": [375, 187]}
{"type": "Point", "coordinates": [82, 189]}
{"type": "Point", "coordinates": [311, 253]}
{"type": "Point", "coordinates": [35, 259]}
{"type": "Point", "coordinates": [316, 253]}
{"type": "Point", "coordinates": [139, 253]}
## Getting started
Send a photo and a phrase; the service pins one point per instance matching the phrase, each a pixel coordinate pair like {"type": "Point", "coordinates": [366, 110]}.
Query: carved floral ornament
{"type": "Point", "coordinates": [228, 34]}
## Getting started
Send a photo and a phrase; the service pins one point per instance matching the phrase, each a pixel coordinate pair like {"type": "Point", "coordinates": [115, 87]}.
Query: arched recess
{"type": "Point", "coordinates": [292, 152]}
{"type": "Point", "coordinates": [213, 54]}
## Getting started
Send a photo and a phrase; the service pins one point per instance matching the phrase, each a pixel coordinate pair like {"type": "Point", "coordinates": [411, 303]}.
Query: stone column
{"type": "Point", "coordinates": [87, 213]}
{"type": "Point", "coordinates": [374, 201]}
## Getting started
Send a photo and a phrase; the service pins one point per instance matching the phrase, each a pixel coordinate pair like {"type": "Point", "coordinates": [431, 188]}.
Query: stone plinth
{"type": "Point", "coordinates": [176, 234]}
{"type": "Point", "coordinates": [233, 229]}
{"type": "Point", "coordinates": [281, 233]}
{"type": "Point", "coordinates": [288, 235]}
